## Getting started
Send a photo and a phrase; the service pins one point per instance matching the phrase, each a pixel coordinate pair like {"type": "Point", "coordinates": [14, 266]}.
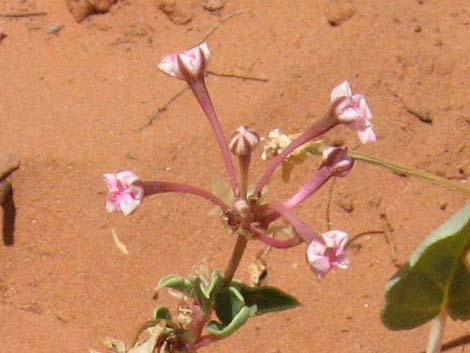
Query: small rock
{"type": "Point", "coordinates": [339, 11]}
{"type": "Point", "coordinates": [3, 34]}
{"type": "Point", "coordinates": [81, 9]}
{"type": "Point", "coordinates": [213, 5]}
{"type": "Point", "coordinates": [179, 12]}
{"type": "Point", "coordinates": [443, 205]}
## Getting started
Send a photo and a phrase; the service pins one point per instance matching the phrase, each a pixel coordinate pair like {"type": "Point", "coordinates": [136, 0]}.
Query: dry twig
{"type": "Point", "coordinates": [232, 75]}
{"type": "Point", "coordinates": [22, 13]}
{"type": "Point", "coordinates": [218, 25]}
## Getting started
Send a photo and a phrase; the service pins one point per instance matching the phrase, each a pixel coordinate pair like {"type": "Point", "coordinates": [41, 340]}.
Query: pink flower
{"type": "Point", "coordinates": [188, 65]}
{"type": "Point", "coordinates": [353, 111]}
{"type": "Point", "coordinates": [123, 195]}
{"type": "Point", "coordinates": [338, 159]}
{"type": "Point", "coordinates": [328, 252]}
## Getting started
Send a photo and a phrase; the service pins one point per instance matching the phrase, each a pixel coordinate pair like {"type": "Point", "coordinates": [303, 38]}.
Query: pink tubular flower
{"type": "Point", "coordinates": [188, 65]}
{"type": "Point", "coordinates": [338, 159]}
{"type": "Point", "coordinates": [353, 111]}
{"type": "Point", "coordinates": [328, 252]}
{"type": "Point", "coordinates": [123, 195]}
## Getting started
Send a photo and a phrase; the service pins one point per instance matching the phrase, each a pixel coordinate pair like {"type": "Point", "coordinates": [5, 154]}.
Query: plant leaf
{"type": "Point", "coordinates": [265, 299]}
{"type": "Point", "coordinates": [238, 321]}
{"type": "Point", "coordinates": [210, 290]}
{"type": "Point", "coordinates": [176, 282]}
{"type": "Point", "coordinates": [228, 304]}
{"type": "Point", "coordinates": [161, 312]}
{"type": "Point", "coordinates": [435, 278]}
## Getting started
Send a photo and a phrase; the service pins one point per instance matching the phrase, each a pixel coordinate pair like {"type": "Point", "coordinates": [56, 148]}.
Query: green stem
{"type": "Point", "coordinates": [401, 169]}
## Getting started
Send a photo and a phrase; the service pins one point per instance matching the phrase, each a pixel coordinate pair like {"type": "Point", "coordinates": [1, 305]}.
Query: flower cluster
{"type": "Point", "coordinates": [246, 213]}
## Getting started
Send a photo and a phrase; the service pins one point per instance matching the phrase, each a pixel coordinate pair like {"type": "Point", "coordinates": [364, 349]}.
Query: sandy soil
{"type": "Point", "coordinates": [75, 104]}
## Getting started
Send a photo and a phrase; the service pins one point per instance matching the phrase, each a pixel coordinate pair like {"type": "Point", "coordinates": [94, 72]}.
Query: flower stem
{"type": "Point", "coordinates": [277, 243]}
{"type": "Point", "coordinates": [202, 95]}
{"type": "Point", "coordinates": [320, 127]}
{"type": "Point", "coordinates": [157, 187]}
{"type": "Point", "coordinates": [302, 228]}
{"type": "Point", "coordinates": [401, 169]}
{"type": "Point", "coordinates": [244, 170]}
{"type": "Point", "coordinates": [320, 177]}
{"type": "Point", "coordinates": [235, 258]}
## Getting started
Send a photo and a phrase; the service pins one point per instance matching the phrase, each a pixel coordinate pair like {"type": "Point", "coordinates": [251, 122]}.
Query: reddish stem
{"type": "Point", "coordinates": [202, 95]}
{"type": "Point", "coordinates": [302, 228]}
{"type": "Point", "coordinates": [319, 128]}
{"type": "Point", "coordinates": [319, 178]}
{"type": "Point", "coordinates": [277, 243]}
{"type": "Point", "coordinates": [202, 341]}
{"type": "Point", "coordinates": [158, 187]}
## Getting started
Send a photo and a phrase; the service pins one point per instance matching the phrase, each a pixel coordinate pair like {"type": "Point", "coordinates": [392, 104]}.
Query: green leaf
{"type": "Point", "coordinates": [176, 282]}
{"type": "Point", "coordinates": [210, 290]}
{"type": "Point", "coordinates": [206, 293]}
{"type": "Point", "coordinates": [222, 330]}
{"type": "Point", "coordinates": [161, 312]}
{"type": "Point", "coordinates": [265, 299]}
{"type": "Point", "coordinates": [228, 304]}
{"type": "Point", "coordinates": [436, 278]}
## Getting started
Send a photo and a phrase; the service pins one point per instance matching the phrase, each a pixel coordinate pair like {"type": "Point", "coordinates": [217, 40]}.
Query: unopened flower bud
{"type": "Point", "coordinates": [241, 206]}
{"type": "Point", "coordinates": [338, 159]}
{"type": "Point", "coordinates": [244, 141]}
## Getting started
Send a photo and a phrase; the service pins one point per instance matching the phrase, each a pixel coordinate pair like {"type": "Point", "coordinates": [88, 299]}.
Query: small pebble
{"type": "Point", "coordinates": [339, 11]}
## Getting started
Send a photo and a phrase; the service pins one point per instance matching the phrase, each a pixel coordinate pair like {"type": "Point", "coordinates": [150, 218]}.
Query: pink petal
{"type": "Point", "coordinates": [367, 135]}
{"type": "Point", "coordinates": [342, 90]}
{"type": "Point", "coordinates": [193, 61]}
{"type": "Point", "coordinates": [123, 195]}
